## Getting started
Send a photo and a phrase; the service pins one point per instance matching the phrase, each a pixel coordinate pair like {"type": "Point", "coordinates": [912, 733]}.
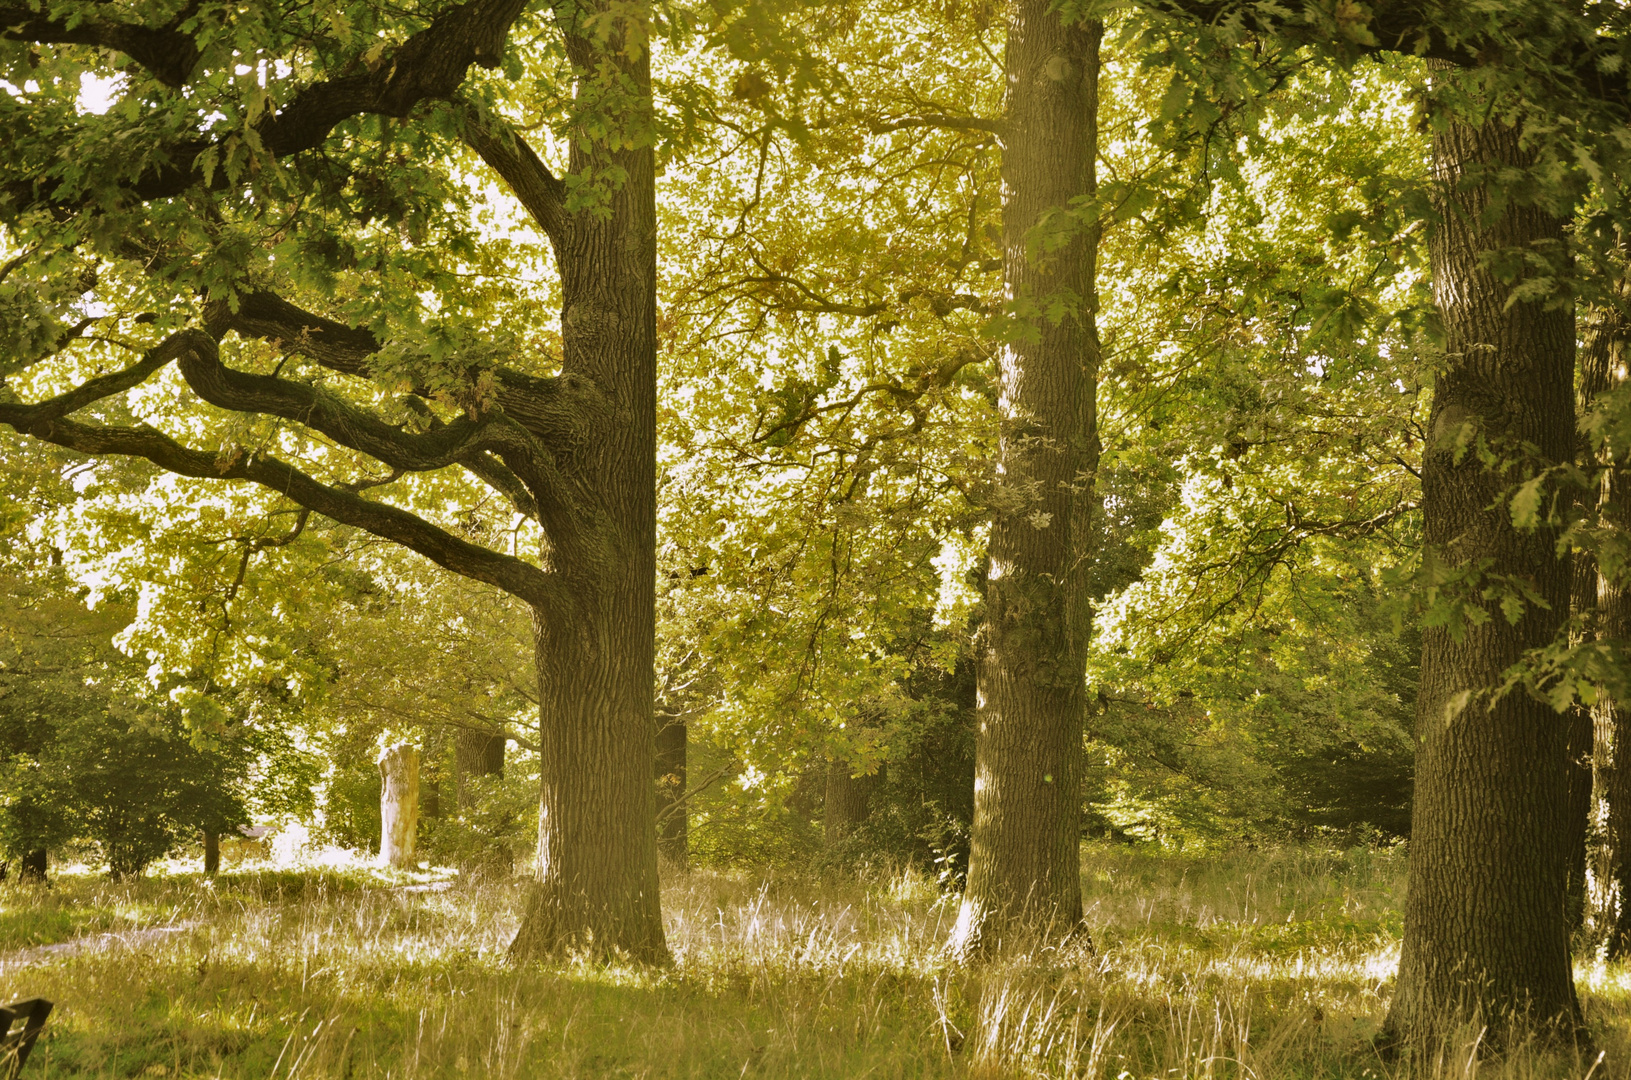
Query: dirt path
{"type": "Point", "coordinates": [130, 939]}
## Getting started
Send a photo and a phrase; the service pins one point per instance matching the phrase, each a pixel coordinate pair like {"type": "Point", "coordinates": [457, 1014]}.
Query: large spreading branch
{"type": "Point", "coordinates": [168, 52]}
{"type": "Point", "coordinates": [514, 576]}
{"type": "Point", "coordinates": [563, 412]}
{"type": "Point", "coordinates": [540, 191]}
{"type": "Point", "coordinates": [552, 499]}
{"type": "Point", "coordinates": [428, 66]}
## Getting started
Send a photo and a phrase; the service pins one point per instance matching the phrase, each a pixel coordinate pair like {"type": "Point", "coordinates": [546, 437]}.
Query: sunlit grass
{"type": "Point", "coordinates": [1262, 964]}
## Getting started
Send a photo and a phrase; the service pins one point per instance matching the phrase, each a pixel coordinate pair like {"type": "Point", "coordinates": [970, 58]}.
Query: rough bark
{"type": "Point", "coordinates": [398, 805]}
{"type": "Point", "coordinates": [597, 844]}
{"type": "Point", "coordinates": [673, 828]}
{"type": "Point", "coordinates": [1024, 874]}
{"type": "Point", "coordinates": [1579, 834]}
{"type": "Point", "coordinates": [212, 852]}
{"type": "Point", "coordinates": [1486, 933]}
{"type": "Point", "coordinates": [847, 802]}
{"type": "Point", "coordinates": [1612, 723]}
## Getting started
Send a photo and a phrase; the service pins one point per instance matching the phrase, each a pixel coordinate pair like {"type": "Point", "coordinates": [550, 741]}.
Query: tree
{"type": "Point", "coordinates": [90, 752]}
{"type": "Point", "coordinates": [326, 167]}
{"type": "Point", "coordinates": [1023, 865]}
{"type": "Point", "coordinates": [1527, 97]}
{"type": "Point", "coordinates": [1488, 877]}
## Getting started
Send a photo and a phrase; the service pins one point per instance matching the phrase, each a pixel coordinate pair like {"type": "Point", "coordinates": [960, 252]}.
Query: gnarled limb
{"type": "Point", "coordinates": [427, 66]}
{"type": "Point", "coordinates": [105, 386]}
{"type": "Point", "coordinates": [1411, 27]}
{"type": "Point", "coordinates": [509, 155]}
{"type": "Point", "coordinates": [166, 51]}
{"type": "Point", "coordinates": [556, 502]}
{"type": "Point", "coordinates": [514, 576]}
{"type": "Point", "coordinates": [562, 412]}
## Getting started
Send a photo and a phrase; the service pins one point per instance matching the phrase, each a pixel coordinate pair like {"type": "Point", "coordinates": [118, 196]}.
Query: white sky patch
{"type": "Point", "coordinates": [98, 94]}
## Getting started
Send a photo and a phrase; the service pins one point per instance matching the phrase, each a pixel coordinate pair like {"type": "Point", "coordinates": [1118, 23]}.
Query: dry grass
{"type": "Point", "coordinates": [1261, 965]}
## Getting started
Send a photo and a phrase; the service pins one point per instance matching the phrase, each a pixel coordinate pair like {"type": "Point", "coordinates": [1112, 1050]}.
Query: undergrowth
{"type": "Point", "coordinates": [1258, 965]}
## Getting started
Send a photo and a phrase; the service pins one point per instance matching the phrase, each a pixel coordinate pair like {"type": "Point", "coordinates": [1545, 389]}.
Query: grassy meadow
{"type": "Point", "coordinates": [1254, 965]}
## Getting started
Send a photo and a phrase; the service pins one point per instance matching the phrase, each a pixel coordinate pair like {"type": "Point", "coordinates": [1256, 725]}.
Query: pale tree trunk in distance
{"type": "Point", "coordinates": [1024, 877]}
{"type": "Point", "coordinates": [1486, 931]}
{"type": "Point", "coordinates": [398, 805]}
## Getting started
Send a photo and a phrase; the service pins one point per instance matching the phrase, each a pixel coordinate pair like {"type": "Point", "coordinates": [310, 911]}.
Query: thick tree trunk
{"type": "Point", "coordinates": [847, 801]}
{"type": "Point", "coordinates": [1486, 932]}
{"type": "Point", "coordinates": [212, 852]}
{"type": "Point", "coordinates": [673, 832]}
{"type": "Point", "coordinates": [1024, 875]}
{"type": "Point", "coordinates": [597, 837]}
{"type": "Point", "coordinates": [398, 805]}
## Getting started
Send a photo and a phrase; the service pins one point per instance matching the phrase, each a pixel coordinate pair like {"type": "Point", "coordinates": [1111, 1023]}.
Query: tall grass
{"type": "Point", "coordinates": [1264, 964]}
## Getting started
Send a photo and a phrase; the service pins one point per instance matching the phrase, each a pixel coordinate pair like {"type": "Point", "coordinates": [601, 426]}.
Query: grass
{"type": "Point", "coordinates": [1264, 964]}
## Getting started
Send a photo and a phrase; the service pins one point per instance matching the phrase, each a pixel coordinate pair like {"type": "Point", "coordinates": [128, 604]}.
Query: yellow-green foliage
{"type": "Point", "coordinates": [1257, 965]}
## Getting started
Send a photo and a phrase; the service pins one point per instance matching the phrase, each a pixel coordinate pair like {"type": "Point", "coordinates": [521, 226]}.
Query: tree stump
{"type": "Point", "coordinates": [398, 804]}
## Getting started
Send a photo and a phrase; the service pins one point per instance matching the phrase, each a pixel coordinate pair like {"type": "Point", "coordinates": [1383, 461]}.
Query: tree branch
{"type": "Point", "coordinates": [938, 120]}
{"type": "Point", "coordinates": [105, 386]}
{"type": "Point", "coordinates": [509, 155]}
{"type": "Point", "coordinates": [563, 411]}
{"type": "Point", "coordinates": [221, 386]}
{"type": "Point", "coordinates": [429, 65]}
{"type": "Point", "coordinates": [1411, 27]}
{"type": "Point", "coordinates": [554, 501]}
{"type": "Point", "coordinates": [165, 51]}
{"type": "Point", "coordinates": [496, 475]}
{"type": "Point", "coordinates": [514, 576]}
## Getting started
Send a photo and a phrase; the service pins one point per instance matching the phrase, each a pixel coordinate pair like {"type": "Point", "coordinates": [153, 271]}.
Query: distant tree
{"type": "Point", "coordinates": [90, 752]}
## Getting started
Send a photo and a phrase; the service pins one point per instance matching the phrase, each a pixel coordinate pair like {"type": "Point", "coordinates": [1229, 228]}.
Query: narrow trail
{"type": "Point", "coordinates": [130, 939]}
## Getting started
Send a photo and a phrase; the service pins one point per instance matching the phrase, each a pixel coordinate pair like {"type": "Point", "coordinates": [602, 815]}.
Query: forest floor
{"type": "Point", "coordinates": [1257, 965]}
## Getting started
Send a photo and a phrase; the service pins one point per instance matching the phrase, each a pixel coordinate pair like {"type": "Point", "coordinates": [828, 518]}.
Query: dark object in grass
{"type": "Point", "coordinates": [22, 1023]}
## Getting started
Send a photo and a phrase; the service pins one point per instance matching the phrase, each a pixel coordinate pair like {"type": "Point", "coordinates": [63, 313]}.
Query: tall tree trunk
{"type": "Point", "coordinates": [212, 852]}
{"type": "Point", "coordinates": [597, 836]}
{"type": "Point", "coordinates": [1613, 793]}
{"type": "Point", "coordinates": [673, 833]}
{"type": "Point", "coordinates": [847, 800]}
{"type": "Point", "coordinates": [1486, 931]}
{"type": "Point", "coordinates": [1594, 362]}
{"type": "Point", "coordinates": [1602, 367]}
{"type": "Point", "coordinates": [1024, 873]}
